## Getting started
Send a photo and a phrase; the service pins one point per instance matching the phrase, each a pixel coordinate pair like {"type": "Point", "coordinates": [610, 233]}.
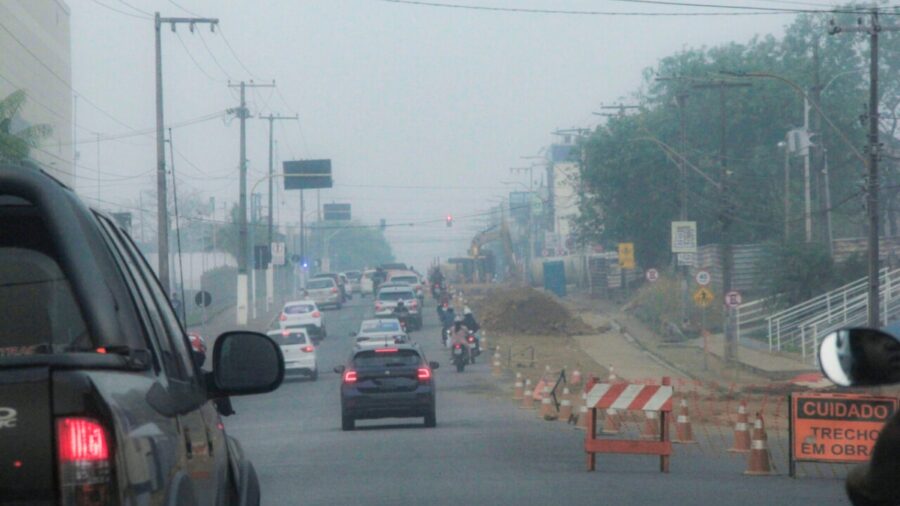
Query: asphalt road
{"type": "Point", "coordinates": [483, 451]}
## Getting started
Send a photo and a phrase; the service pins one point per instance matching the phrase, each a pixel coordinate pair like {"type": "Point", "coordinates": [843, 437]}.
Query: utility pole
{"type": "Point", "coordinates": [162, 215]}
{"type": "Point", "coordinates": [818, 151]}
{"type": "Point", "coordinates": [243, 244]}
{"type": "Point", "coordinates": [874, 148]}
{"type": "Point", "coordinates": [272, 118]}
{"type": "Point", "coordinates": [725, 210]}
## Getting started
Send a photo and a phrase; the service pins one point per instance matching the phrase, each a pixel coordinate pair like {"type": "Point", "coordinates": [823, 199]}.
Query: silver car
{"type": "Point", "coordinates": [387, 300]}
{"type": "Point", "coordinates": [380, 331]}
{"type": "Point", "coordinates": [324, 291]}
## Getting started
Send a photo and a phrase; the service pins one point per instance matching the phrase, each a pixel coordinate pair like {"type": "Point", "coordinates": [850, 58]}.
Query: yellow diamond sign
{"type": "Point", "coordinates": [703, 297]}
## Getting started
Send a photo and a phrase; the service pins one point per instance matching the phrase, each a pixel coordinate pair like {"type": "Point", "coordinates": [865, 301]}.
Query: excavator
{"type": "Point", "coordinates": [498, 233]}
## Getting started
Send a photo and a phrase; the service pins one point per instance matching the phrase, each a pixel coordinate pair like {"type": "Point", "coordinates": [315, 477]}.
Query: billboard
{"type": "Point", "coordinates": [307, 174]}
{"type": "Point", "coordinates": [336, 212]}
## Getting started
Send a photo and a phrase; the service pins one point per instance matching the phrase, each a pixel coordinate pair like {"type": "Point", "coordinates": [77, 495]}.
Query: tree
{"type": "Point", "coordinates": [16, 143]}
{"type": "Point", "coordinates": [353, 245]}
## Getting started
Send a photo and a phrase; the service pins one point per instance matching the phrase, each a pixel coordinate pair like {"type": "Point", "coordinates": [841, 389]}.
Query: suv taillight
{"type": "Point", "coordinates": [424, 374]}
{"type": "Point", "coordinates": [85, 464]}
{"type": "Point", "coordinates": [413, 304]}
{"type": "Point", "coordinates": [334, 290]}
{"type": "Point", "coordinates": [309, 349]}
{"type": "Point", "coordinates": [316, 314]}
{"type": "Point", "coordinates": [350, 377]}
{"type": "Point", "coordinates": [378, 306]}
{"type": "Point", "coordinates": [283, 317]}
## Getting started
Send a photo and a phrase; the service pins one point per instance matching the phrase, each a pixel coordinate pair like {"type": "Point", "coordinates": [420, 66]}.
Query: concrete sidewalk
{"type": "Point", "coordinates": [772, 365]}
{"type": "Point", "coordinates": [615, 350]}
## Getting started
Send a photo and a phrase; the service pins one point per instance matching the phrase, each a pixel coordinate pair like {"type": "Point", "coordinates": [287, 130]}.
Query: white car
{"type": "Point", "coordinates": [380, 332]}
{"type": "Point", "coordinates": [387, 299]}
{"type": "Point", "coordinates": [366, 283]}
{"type": "Point", "coordinates": [353, 278]}
{"type": "Point", "coordinates": [304, 314]}
{"type": "Point", "coordinates": [410, 278]}
{"type": "Point", "coordinates": [298, 349]}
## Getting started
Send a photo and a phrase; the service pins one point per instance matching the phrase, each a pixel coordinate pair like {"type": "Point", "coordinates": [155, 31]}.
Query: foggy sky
{"type": "Point", "coordinates": [393, 94]}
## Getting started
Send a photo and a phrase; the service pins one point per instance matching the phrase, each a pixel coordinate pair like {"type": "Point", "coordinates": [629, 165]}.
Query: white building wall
{"type": "Point", "coordinates": [565, 197]}
{"type": "Point", "coordinates": [44, 71]}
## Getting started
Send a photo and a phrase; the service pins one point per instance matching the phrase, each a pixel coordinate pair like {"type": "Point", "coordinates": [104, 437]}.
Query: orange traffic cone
{"type": "Point", "coordinates": [576, 378]}
{"type": "Point", "coordinates": [612, 424]}
{"type": "Point", "coordinates": [539, 389]}
{"type": "Point", "coordinates": [741, 431]}
{"type": "Point", "coordinates": [612, 378]}
{"type": "Point", "coordinates": [527, 396]}
{"type": "Point", "coordinates": [565, 406]}
{"type": "Point", "coordinates": [547, 411]}
{"type": "Point", "coordinates": [495, 370]}
{"type": "Point", "coordinates": [651, 426]}
{"type": "Point", "coordinates": [683, 432]}
{"type": "Point", "coordinates": [546, 402]}
{"type": "Point", "coordinates": [758, 461]}
{"type": "Point", "coordinates": [583, 414]}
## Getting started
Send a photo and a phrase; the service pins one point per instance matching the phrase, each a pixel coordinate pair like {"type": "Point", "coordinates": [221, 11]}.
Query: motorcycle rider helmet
{"type": "Point", "coordinates": [466, 310]}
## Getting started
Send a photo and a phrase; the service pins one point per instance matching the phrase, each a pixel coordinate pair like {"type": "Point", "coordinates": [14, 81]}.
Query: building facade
{"type": "Point", "coordinates": [35, 56]}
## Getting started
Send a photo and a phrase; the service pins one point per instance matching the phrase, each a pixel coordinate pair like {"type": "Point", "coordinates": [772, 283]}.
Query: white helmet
{"type": "Point", "coordinates": [466, 310]}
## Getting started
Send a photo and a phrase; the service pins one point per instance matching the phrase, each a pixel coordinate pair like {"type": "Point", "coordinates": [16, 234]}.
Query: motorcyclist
{"type": "Point", "coordinates": [459, 333]}
{"type": "Point", "coordinates": [448, 317]}
{"type": "Point", "coordinates": [469, 320]}
{"type": "Point", "coordinates": [402, 313]}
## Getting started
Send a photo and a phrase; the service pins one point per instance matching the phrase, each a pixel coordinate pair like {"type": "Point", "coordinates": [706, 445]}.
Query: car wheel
{"type": "Point", "coordinates": [315, 375]}
{"type": "Point", "coordinates": [431, 419]}
{"type": "Point", "coordinates": [347, 422]}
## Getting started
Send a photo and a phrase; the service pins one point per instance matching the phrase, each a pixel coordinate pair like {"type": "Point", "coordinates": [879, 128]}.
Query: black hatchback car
{"type": "Point", "coordinates": [101, 398]}
{"type": "Point", "coordinates": [387, 382]}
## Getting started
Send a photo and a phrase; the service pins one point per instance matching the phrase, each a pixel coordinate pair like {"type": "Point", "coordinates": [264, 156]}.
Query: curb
{"type": "Point", "coordinates": [657, 358]}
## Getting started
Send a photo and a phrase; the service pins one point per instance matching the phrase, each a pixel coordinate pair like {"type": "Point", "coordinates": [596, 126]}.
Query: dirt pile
{"type": "Point", "coordinates": [527, 311]}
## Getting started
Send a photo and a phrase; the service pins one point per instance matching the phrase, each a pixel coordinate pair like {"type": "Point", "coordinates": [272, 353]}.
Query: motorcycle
{"type": "Point", "coordinates": [474, 345]}
{"type": "Point", "coordinates": [445, 335]}
{"type": "Point", "coordinates": [402, 315]}
{"type": "Point", "coordinates": [868, 357]}
{"type": "Point", "coordinates": [460, 356]}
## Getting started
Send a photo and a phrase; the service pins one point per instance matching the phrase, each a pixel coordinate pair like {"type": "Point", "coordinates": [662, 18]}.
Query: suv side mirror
{"type": "Point", "coordinates": [246, 363]}
{"type": "Point", "coordinates": [860, 357]}
{"type": "Point", "coordinates": [339, 369]}
{"type": "Point", "coordinates": [434, 365]}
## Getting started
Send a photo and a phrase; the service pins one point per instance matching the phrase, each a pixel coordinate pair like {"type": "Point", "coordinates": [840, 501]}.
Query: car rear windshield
{"type": "Point", "coordinates": [405, 279]}
{"type": "Point", "coordinates": [299, 309]}
{"type": "Point", "coordinates": [39, 310]}
{"type": "Point", "coordinates": [395, 296]}
{"type": "Point", "coordinates": [382, 358]}
{"type": "Point", "coordinates": [290, 336]}
{"type": "Point", "coordinates": [320, 283]}
{"type": "Point", "coordinates": [380, 326]}
{"type": "Point", "coordinates": [354, 275]}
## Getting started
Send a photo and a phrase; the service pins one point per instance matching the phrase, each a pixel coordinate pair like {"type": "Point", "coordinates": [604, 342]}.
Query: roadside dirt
{"type": "Point", "coordinates": [527, 311]}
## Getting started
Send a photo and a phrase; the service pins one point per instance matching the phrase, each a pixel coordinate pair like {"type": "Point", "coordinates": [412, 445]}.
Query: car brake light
{"type": "Point", "coordinates": [309, 348]}
{"type": "Point", "coordinates": [316, 314]}
{"type": "Point", "coordinates": [424, 374]}
{"type": "Point", "coordinates": [386, 350]}
{"type": "Point", "coordinates": [457, 345]}
{"type": "Point", "coordinates": [285, 333]}
{"type": "Point", "coordinates": [413, 304]}
{"type": "Point", "coordinates": [334, 290]}
{"type": "Point", "coordinates": [350, 377]}
{"type": "Point", "coordinates": [471, 339]}
{"type": "Point", "coordinates": [283, 317]}
{"type": "Point", "coordinates": [84, 461]}
{"type": "Point", "coordinates": [378, 306]}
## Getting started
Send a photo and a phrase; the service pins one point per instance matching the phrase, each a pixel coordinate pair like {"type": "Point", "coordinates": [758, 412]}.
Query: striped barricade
{"type": "Point", "coordinates": [630, 397]}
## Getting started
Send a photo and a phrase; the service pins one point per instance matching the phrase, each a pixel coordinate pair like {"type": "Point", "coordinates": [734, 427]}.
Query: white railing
{"type": "Point", "coordinates": [751, 318]}
{"type": "Point", "coordinates": [800, 328]}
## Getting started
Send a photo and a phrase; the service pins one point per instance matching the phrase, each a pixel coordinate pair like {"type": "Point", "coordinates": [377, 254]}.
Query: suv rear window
{"type": "Point", "coordinates": [315, 284]}
{"type": "Point", "coordinates": [299, 309]}
{"type": "Point", "coordinates": [395, 295]}
{"type": "Point", "coordinates": [39, 310]}
{"type": "Point", "coordinates": [377, 358]}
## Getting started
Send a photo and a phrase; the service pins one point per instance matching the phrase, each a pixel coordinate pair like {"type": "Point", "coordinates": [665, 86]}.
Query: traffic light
{"type": "Point", "coordinates": [449, 220]}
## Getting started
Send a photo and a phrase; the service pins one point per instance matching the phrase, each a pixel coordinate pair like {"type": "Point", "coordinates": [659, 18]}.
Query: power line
{"type": "Point", "coordinates": [735, 10]}
{"type": "Point", "coordinates": [176, 4]}
{"type": "Point", "coordinates": [199, 67]}
{"type": "Point", "coordinates": [234, 54]}
{"type": "Point", "coordinates": [124, 13]}
{"type": "Point", "coordinates": [212, 55]}
{"type": "Point", "coordinates": [61, 79]}
{"type": "Point", "coordinates": [123, 2]}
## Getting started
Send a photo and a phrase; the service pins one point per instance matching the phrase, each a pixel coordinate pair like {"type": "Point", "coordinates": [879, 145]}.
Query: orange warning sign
{"type": "Point", "coordinates": [837, 427]}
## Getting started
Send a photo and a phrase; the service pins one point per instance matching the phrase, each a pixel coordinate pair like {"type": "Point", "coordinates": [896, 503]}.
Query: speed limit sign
{"type": "Point", "coordinates": [652, 275]}
{"type": "Point", "coordinates": [733, 298]}
{"type": "Point", "coordinates": [703, 278]}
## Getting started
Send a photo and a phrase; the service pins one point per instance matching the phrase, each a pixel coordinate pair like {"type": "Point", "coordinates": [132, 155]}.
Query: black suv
{"type": "Point", "coordinates": [101, 398]}
{"type": "Point", "coordinates": [387, 382]}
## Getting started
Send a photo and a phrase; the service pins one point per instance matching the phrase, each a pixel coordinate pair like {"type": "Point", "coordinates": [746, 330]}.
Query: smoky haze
{"type": "Point", "coordinates": [423, 110]}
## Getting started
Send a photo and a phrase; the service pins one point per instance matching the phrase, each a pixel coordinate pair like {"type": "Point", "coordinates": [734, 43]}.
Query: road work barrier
{"type": "Point", "coordinates": [629, 397]}
{"type": "Point", "coordinates": [835, 427]}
